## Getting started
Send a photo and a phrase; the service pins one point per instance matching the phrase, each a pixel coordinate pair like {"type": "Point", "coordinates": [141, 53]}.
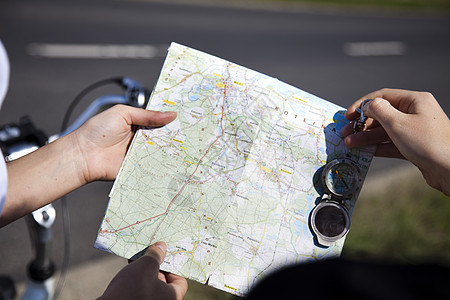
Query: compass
{"type": "Point", "coordinates": [341, 177]}
{"type": "Point", "coordinates": [330, 219]}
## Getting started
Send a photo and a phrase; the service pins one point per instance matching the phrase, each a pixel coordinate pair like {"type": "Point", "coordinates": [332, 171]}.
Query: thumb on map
{"type": "Point", "coordinates": [157, 251]}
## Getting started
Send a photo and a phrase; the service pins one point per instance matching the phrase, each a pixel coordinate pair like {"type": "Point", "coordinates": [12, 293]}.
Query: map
{"type": "Point", "coordinates": [229, 185]}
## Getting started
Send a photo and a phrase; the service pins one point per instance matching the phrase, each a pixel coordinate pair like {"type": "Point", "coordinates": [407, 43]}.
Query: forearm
{"type": "Point", "coordinates": [42, 177]}
{"type": "Point", "coordinates": [436, 168]}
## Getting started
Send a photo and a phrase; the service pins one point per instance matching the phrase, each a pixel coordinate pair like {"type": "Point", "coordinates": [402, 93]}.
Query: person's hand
{"type": "Point", "coordinates": [142, 279]}
{"type": "Point", "coordinates": [406, 124]}
{"type": "Point", "coordinates": [95, 151]}
{"type": "Point", "coordinates": [103, 140]}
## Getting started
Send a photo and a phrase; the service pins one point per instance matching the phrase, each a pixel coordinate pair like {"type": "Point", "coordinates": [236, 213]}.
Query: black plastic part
{"type": "Point", "coordinates": [40, 273]}
{"type": "Point", "coordinates": [7, 288]}
{"type": "Point", "coordinates": [23, 132]}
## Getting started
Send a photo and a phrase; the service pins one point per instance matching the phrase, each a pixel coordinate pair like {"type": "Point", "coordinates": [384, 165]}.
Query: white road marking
{"type": "Point", "coordinates": [374, 48]}
{"type": "Point", "coordinates": [97, 51]}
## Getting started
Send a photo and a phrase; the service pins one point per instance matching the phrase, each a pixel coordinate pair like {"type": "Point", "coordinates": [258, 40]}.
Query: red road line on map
{"type": "Point", "coordinates": [184, 185]}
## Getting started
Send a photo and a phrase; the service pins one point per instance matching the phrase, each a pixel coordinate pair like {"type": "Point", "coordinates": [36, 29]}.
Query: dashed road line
{"type": "Point", "coordinates": [374, 48]}
{"type": "Point", "coordinates": [97, 51]}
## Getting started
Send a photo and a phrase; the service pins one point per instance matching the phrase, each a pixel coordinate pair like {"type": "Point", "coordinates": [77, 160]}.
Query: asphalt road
{"type": "Point", "coordinates": [330, 54]}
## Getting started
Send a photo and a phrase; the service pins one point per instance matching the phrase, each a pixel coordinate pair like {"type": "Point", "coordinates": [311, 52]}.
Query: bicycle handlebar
{"type": "Point", "coordinates": [135, 95]}
{"type": "Point", "coordinates": [89, 112]}
{"type": "Point", "coordinates": [18, 140]}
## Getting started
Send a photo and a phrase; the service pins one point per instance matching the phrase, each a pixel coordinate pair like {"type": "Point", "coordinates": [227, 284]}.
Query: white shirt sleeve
{"type": "Point", "coordinates": [4, 81]}
{"type": "Point", "coordinates": [3, 182]}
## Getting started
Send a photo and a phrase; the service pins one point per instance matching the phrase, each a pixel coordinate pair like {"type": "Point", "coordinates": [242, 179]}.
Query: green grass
{"type": "Point", "coordinates": [410, 5]}
{"type": "Point", "coordinates": [404, 221]}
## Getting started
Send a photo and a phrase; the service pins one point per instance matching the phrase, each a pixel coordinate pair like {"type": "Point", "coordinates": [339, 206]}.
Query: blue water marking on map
{"type": "Point", "coordinates": [272, 237]}
{"type": "Point", "coordinates": [298, 226]}
{"type": "Point", "coordinates": [258, 186]}
{"type": "Point", "coordinates": [307, 231]}
{"type": "Point", "coordinates": [194, 97]}
{"type": "Point", "coordinates": [195, 93]}
{"type": "Point", "coordinates": [207, 87]}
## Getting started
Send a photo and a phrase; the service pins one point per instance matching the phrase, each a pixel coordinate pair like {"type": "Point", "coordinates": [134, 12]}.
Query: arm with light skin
{"type": "Point", "coordinates": [93, 152]}
{"type": "Point", "coordinates": [409, 125]}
